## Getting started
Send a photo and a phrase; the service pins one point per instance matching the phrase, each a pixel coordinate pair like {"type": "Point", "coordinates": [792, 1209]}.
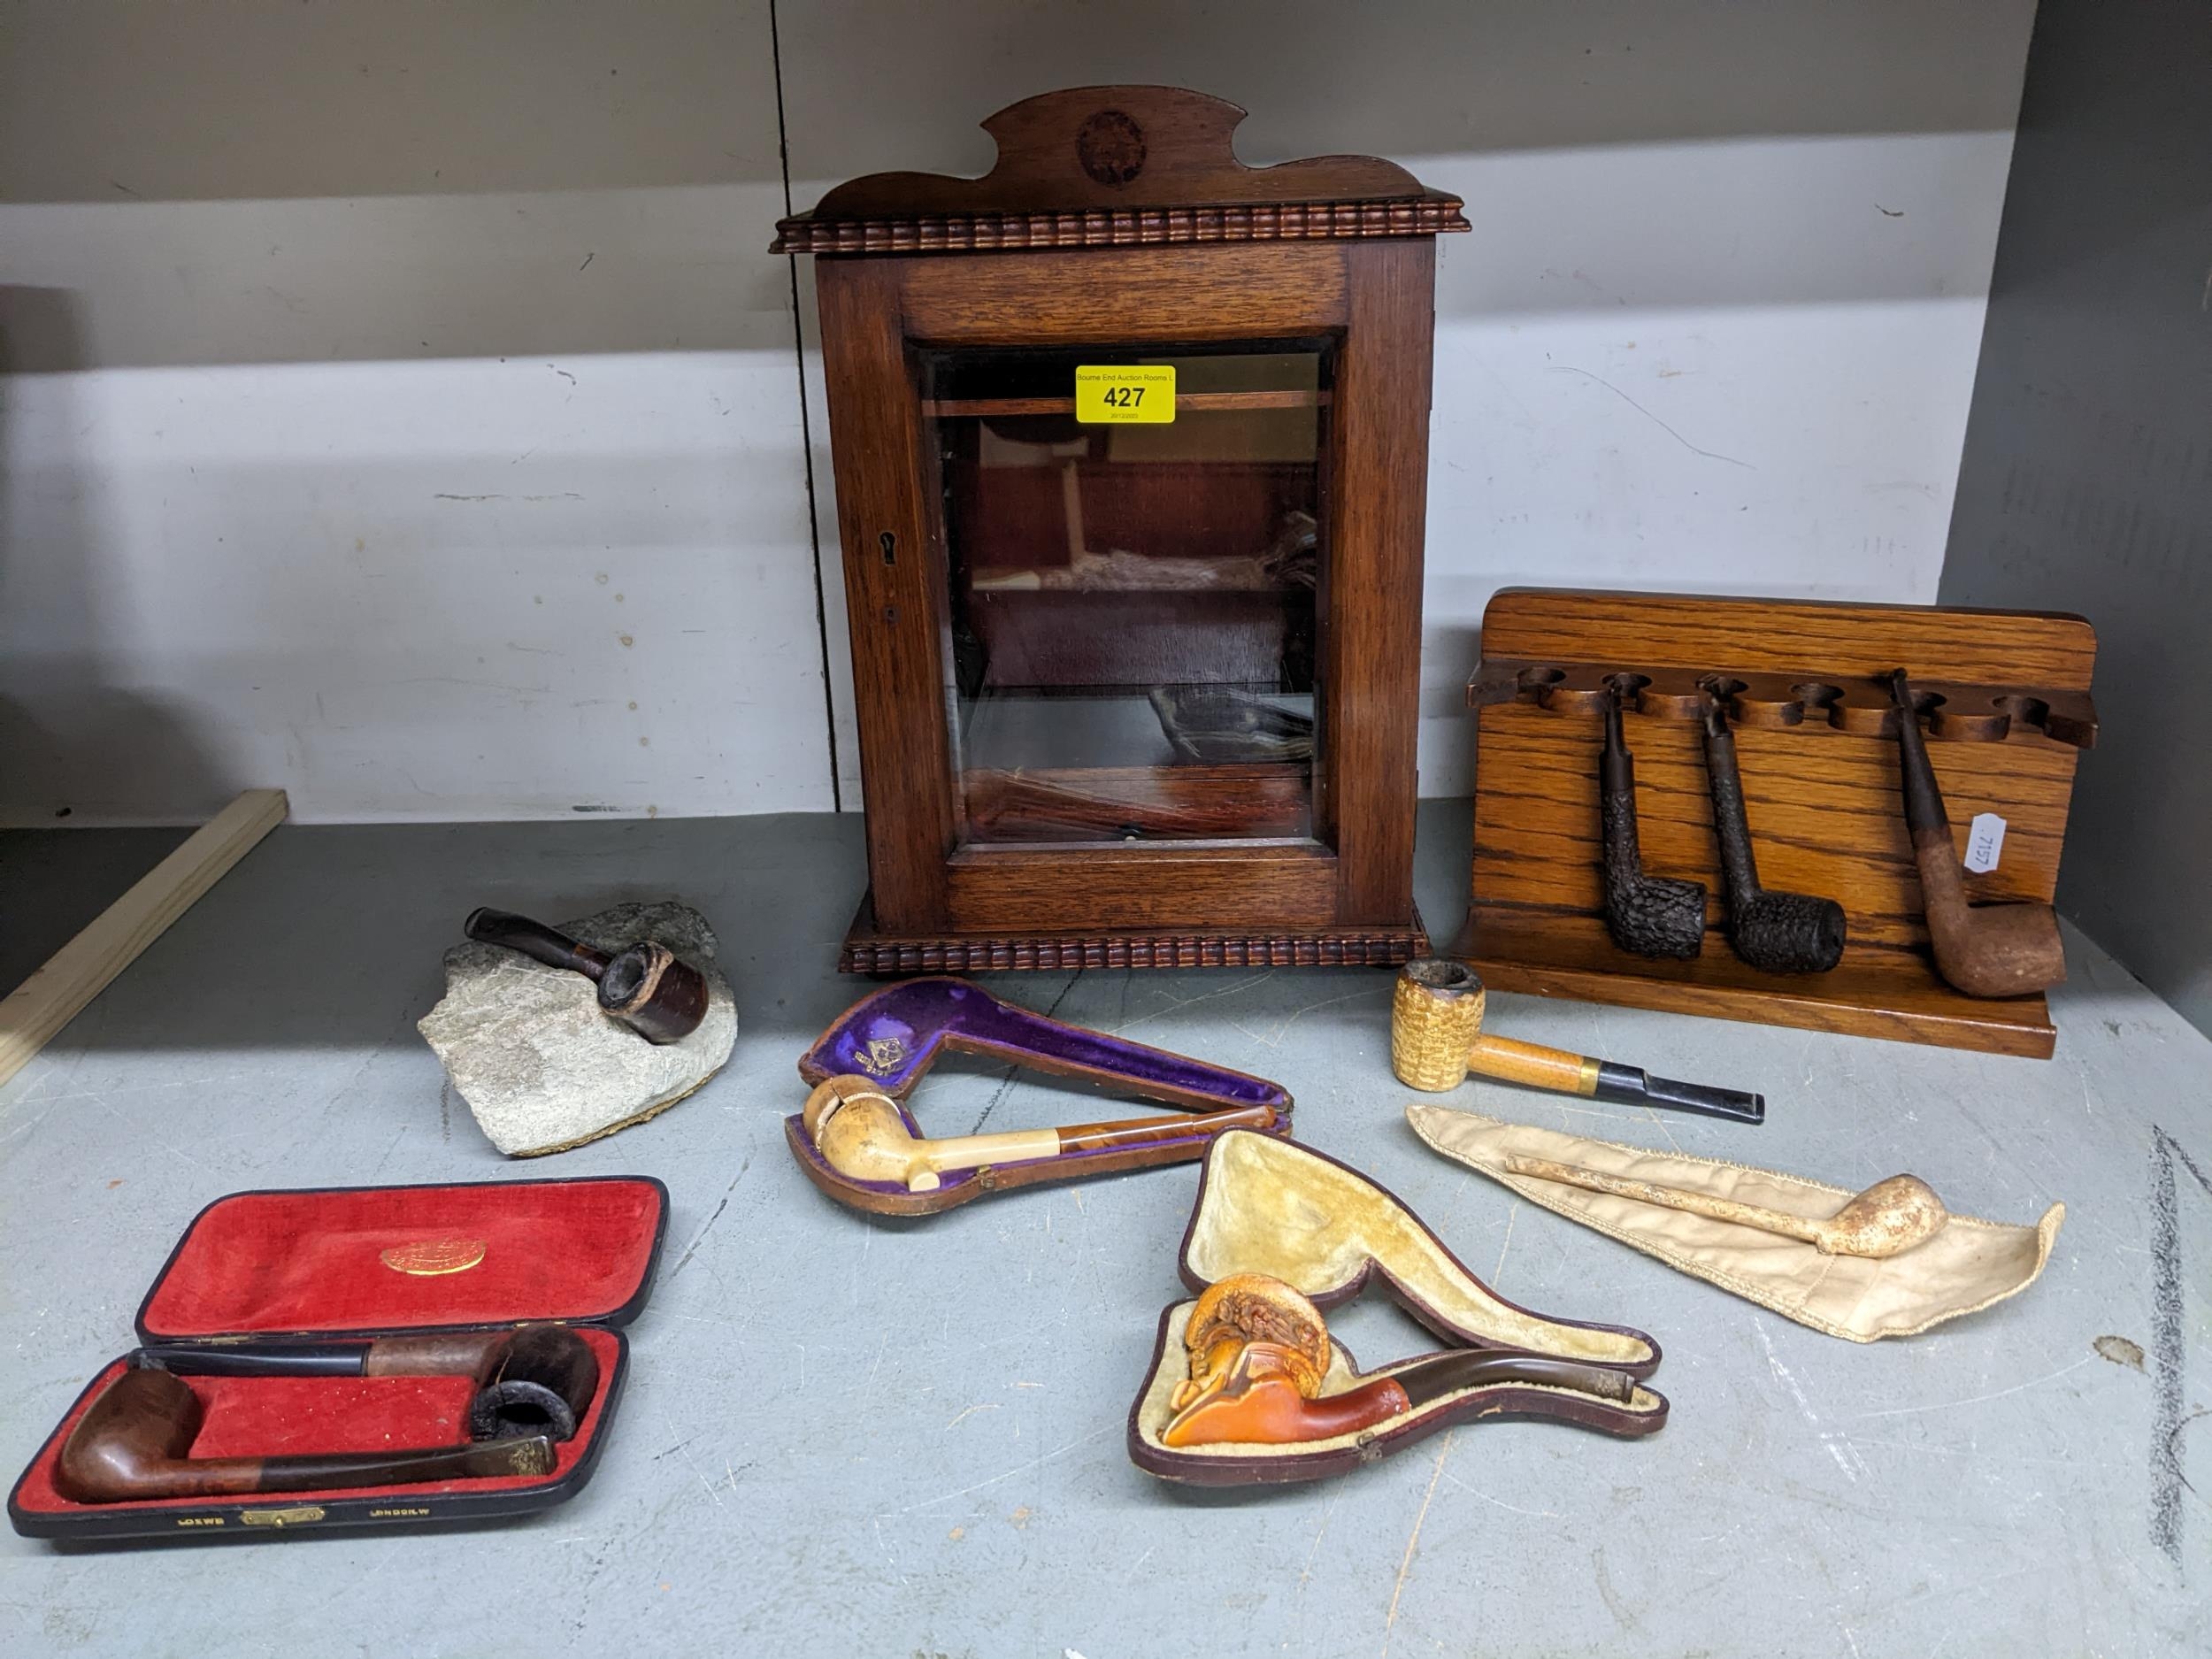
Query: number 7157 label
{"type": "Point", "coordinates": [1138, 395]}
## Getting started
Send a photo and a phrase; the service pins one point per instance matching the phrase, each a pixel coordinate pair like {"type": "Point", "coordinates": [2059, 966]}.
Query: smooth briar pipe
{"type": "Point", "coordinates": [1776, 933]}
{"type": "Point", "coordinates": [133, 1445]}
{"type": "Point", "coordinates": [536, 1379]}
{"type": "Point", "coordinates": [1984, 950]}
{"type": "Point", "coordinates": [1436, 1038]}
{"type": "Point", "coordinates": [1648, 916]}
{"type": "Point", "coordinates": [861, 1134]}
{"type": "Point", "coordinates": [644, 986]}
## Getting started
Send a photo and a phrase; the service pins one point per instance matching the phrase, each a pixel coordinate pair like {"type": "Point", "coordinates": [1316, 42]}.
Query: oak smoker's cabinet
{"type": "Point", "coordinates": [1137, 682]}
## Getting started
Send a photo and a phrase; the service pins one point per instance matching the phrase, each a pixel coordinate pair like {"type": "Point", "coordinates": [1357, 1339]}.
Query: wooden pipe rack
{"type": "Point", "coordinates": [2006, 698]}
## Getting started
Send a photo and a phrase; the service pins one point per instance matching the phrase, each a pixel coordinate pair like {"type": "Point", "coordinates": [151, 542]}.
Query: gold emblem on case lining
{"type": "Point", "coordinates": [427, 1257]}
{"type": "Point", "coordinates": [883, 1055]}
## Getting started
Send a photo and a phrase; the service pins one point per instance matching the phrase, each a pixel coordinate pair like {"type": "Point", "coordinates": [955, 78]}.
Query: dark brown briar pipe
{"type": "Point", "coordinates": [1776, 933]}
{"type": "Point", "coordinates": [134, 1445]}
{"type": "Point", "coordinates": [1984, 951]}
{"type": "Point", "coordinates": [1648, 916]}
{"type": "Point", "coordinates": [539, 1380]}
{"type": "Point", "coordinates": [643, 985]}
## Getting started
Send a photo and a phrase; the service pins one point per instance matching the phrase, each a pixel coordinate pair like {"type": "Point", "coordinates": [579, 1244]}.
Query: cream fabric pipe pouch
{"type": "Point", "coordinates": [1968, 1265]}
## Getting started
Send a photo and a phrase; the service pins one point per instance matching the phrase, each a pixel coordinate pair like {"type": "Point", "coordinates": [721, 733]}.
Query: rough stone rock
{"type": "Point", "coordinates": [538, 1062]}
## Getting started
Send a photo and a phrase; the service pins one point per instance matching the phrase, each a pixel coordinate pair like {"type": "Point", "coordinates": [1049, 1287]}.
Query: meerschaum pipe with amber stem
{"type": "Point", "coordinates": [860, 1133]}
{"type": "Point", "coordinates": [1259, 1353]}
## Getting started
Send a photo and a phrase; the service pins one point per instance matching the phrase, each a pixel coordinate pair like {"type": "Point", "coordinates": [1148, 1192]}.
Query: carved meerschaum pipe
{"type": "Point", "coordinates": [1776, 933]}
{"type": "Point", "coordinates": [1984, 950]}
{"type": "Point", "coordinates": [1650, 916]}
{"type": "Point", "coordinates": [1259, 1353]}
{"type": "Point", "coordinates": [133, 1445]}
{"type": "Point", "coordinates": [644, 985]}
{"type": "Point", "coordinates": [1436, 1038]}
{"type": "Point", "coordinates": [1886, 1219]}
{"type": "Point", "coordinates": [860, 1133]}
{"type": "Point", "coordinates": [538, 1380]}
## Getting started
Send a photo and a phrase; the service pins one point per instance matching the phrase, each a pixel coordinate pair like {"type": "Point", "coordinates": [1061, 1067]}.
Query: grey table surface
{"type": "Point", "coordinates": [845, 1436]}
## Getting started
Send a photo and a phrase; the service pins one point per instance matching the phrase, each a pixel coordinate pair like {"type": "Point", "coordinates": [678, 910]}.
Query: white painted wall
{"type": "Point", "coordinates": [412, 414]}
{"type": "Point", "coordinates": [289, 288]}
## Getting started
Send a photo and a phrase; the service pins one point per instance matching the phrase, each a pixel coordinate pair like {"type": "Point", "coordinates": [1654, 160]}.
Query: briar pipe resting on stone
{"type": "Point", "coordinates": [1776, 933]}
{"type": "Point", "coordinates": [538, 1380]}
{"type": "Point", "coordinates": [644, 985]}
{"type": "Point", "coordinates": [861, 1134]}
{"type": "Point", "coordinates": [1886, 1219]}
{"type": "Point", "coordinates": [1259, 1353]}
{"type": "Point", "coordinates": [1648, 916]}
{"type": "Point", "coordinates": [133, 1445]}
{"type": "Point", "coordinates": [1436, 1038]}
{"type": "Point", "coordinates": [1984, 950]}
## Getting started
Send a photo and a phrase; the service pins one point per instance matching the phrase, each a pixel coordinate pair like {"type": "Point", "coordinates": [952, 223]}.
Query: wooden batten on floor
{"type": "Point", "coordinates": [81, 969]}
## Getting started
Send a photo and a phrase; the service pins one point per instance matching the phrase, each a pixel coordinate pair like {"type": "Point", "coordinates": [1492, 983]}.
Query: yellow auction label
{"type": "Point", "coordinates": [1138, 395]}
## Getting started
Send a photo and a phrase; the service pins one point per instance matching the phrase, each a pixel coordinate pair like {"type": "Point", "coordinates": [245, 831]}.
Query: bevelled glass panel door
{"type": "Point", "coordinates": [1133, 619]}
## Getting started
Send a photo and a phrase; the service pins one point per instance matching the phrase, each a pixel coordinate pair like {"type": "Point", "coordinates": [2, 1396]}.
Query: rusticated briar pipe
{"type": "Point", "coordinates": [134, 1445]}
{"type": "Point", "coordinates": [538, 1380]}
{"type": "Point", "coordinates": [644, 985]}
{"type": "Point", "coordinates": [1984, 950]}
{"type": "Point", "coordinates": [1776, 933]}
{"type": "Point", "coordinates": [1648, 916]}
{"type": "Point", "coordinates": [1259, 1353]}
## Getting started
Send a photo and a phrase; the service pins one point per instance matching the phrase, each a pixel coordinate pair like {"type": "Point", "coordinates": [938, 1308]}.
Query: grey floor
{"type": "Point", "coordinates": [845, 1437]}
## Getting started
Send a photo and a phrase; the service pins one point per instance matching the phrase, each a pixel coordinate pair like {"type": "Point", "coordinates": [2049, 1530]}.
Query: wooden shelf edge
{"type": "Point", "coordinates": [2015, 1026]}
{"type": "Point", "coordinates": [867, 951]}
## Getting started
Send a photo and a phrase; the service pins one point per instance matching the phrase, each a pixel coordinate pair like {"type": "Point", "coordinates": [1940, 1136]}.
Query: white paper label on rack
{"type": "Point", "coordinates": [1984, 841]}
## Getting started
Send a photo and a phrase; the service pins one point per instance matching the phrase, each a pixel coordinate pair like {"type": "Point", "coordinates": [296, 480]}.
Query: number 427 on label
{"type": "Point", "coordinates": [1134, 395]}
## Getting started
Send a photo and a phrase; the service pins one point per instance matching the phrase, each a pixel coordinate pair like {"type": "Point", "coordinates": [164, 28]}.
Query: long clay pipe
{"type": "Point", "coordinates": [645, 985]}
{"type": "Point", "coordinates": [1776, 933]}
{"type": "Point", "coordinates": [1650, 916]}
{"type": "Point", "coordinates": [1886, 1219]}
{"type": "Point", "coordinates": [1984, 950]}
{"type": "Point", "coordinates": [1259, 1353]}
{"type": "Point", "coordinates": [134, 1444]}
{"type": "Point", "coordinates": [538, 1380]}
{"type": "Point", "coordinates": [1436, 1038]}
{"type": "Point", "coordinates": [860, 1133]}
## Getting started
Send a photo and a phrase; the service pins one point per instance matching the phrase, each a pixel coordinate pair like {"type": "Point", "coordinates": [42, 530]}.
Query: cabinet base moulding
{"type": "Point", "coordinates": [867, 951]}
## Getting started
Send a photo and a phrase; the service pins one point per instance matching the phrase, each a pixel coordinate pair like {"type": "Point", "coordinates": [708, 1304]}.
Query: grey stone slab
{"type": "Point", "coordinates": [542, 1065]}
{"type": "Point", "coordinates": [846, 1436]}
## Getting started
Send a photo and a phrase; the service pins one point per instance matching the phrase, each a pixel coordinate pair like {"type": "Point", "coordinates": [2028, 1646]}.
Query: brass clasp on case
{"type": "Point", "coordinates": [298, 1515]}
